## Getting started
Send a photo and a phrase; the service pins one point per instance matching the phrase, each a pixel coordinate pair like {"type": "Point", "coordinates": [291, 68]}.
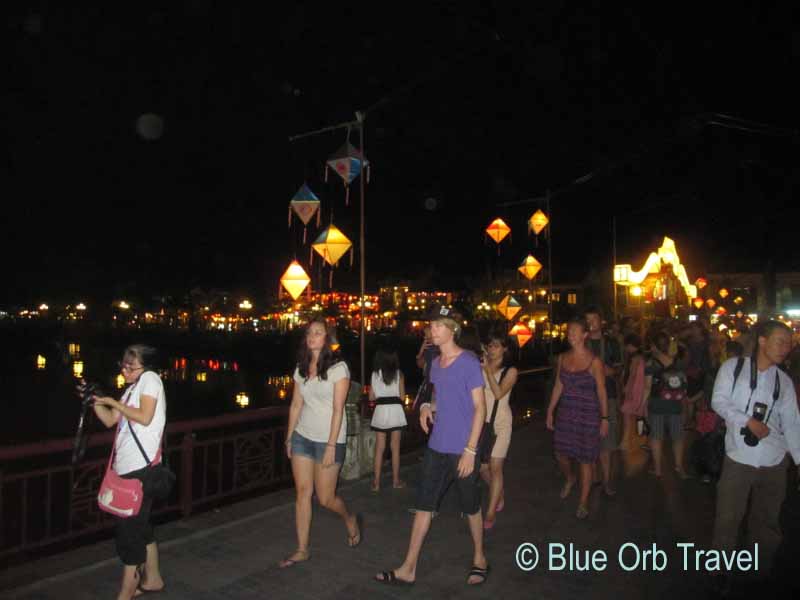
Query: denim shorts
{"type": "Point", "coordinates": [439, 472]}
{"type": "Point", "coordinates": [302, 446]}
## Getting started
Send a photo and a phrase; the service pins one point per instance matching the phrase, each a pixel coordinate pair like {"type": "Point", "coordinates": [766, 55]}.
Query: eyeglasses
{"type": "Point", "coordinates": [128, 367]}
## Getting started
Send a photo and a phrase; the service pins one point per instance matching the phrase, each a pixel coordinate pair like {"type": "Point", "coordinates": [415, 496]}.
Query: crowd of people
{"type": "Point", "coordinates": [615, 390]}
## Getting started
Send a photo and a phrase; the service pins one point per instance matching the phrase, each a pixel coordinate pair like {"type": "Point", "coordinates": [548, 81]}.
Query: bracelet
{"type": "Point", "coordinates": [470, 450]}
{"type": "Point", "coordinates": [604, 418]}
{"type": "Point", "coordinates": [424, 404]}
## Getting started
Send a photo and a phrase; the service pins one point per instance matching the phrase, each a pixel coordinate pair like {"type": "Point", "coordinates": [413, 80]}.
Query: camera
{"type": "Point", "coordinates": [87, 390]}
{"type": "Point", "coordinates": [759, 410]}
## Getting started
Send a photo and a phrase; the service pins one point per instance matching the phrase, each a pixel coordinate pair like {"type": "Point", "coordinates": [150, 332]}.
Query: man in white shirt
{"type": "Point", "coordinates": [757, 398]}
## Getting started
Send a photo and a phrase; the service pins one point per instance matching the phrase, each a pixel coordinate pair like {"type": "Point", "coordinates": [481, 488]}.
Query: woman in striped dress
{"type": "Point", "coordinates": [582, 418]}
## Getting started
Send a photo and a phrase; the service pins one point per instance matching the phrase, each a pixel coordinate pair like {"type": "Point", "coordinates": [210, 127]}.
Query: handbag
{"type": "Point", "coordinates": [158, 478]}
{"type": "Point", "coordinates": [118, 496]}
{"type": "Point", "coordinates": [488, 436]}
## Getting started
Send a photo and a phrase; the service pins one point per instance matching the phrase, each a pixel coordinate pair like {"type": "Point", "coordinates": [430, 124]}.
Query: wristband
{"type": "Point", "coordinates": [424, 404]}
{"type": "Point", "coordinates": [470, 450]}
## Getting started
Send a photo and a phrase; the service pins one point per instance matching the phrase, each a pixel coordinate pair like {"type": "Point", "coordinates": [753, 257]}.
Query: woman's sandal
{"type": "Point", "coordinates": [290, 562]}
{"type": "Point", "coordinates": [400, 486]}
{"type": "Point", "coordinates": [478, 572]}
{"type": "Point", "coordinates": [389, 578]}
{"type": "Point", "coordinates": [582, 512]}
{"type": "Point", "coordinates": [567, 488]}
{"type": "Point", "coordinates": [139, 589]}
{"type": "Point", "coordinates": [354, 540]}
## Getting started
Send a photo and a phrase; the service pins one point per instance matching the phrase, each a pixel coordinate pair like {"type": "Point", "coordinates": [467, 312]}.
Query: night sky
{"type": "Point", "coordinates": [473, 108]}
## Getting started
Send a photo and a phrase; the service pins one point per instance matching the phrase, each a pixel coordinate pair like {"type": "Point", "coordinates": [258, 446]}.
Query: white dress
{"type": "Point", "coordinates": [389, 414]}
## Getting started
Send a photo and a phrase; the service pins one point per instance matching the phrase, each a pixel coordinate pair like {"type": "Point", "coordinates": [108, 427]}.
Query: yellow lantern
{"type": "Point", "coordinates": [77, 368]}
{"type": "Point", "coordinates": [711, 303]}
{"type": "Point", "coordinates": [698, 303]}
{"type": "Point", "coordinates": [498, 230]}
{"type": "Point", "coordinates": [636, 291]}
{"type": "Point", "coordinates": [521, 333]}
{"type": "Point", "coordinates": [530, 267]}
{"type": "Point", "coordinates": [700, 283]}
{"type": "Point", "coordinates": [295, 280]}
{"type": "Point", "coordinates": [41, 362]}
{"type": "Point", "coordinates": [738, 300]}
{"type": "Point", "coordinates": [242, 400]}
{"type": "Point", "coordinates": [622, 274]}
{"type": "Point", "coordinates": [537, 222]}
{"type": "Point", "coordinates": [723, 293]}
{"type": "Point", "coordinates": [331, 245]}
{"type": "Point", "coordinates": [509, 307]}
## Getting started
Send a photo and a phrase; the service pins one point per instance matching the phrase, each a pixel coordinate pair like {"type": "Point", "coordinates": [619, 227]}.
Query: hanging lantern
{"type": "Point", "coordinates": [622, 274]}
{"type": "Point", "coordinates": [721, 311]}
{"type": "Point", "coordinates": [41, 362]}
{"type": "Point", "coordinates": [537, 222]}
{"type": "Point", "coordinates": [304, 204]}
{"type": "Point", "coordinates": [348, 162]}
{"type": "Point", "coordinates": [331, 245]}
{"type": "Point", "coordinates": [521, 333]}
{"type": "Point", "coordinates": [508, 307]}
{"type": "Point", "coordinates": [295, 280]}
{"type": "Point", "coordinates": [498, 230]}
{"type": "Point", "coordinates": [698, 303]}
{"type": "Point", "coordinates": [711, 303]}
{"type": "Point", "coordinates": [723, 293]}
{"type": "Point", "coordinates": [738, 300]}
{"type": "Point", "coordinates": [530, 267]}
{"type": "Point", "coordinates": [701, 283]}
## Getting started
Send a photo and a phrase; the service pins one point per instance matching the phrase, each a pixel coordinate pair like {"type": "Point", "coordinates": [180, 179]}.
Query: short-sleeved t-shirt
{"type": "Point", "coordinates": [128, 457]}
{"type": "Point", "coordinates": [454, 407]}
{"type": "Point", "coordinates": [608, 350]}
{"type": "Point", "coordinates": [315, 416]}
{"type": "Point", "coordinates": [656, 404]}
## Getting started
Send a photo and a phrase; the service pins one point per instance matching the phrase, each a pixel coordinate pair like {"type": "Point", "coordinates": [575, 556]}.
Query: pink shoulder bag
{"type": "Point", "coordinates": [118, 496]}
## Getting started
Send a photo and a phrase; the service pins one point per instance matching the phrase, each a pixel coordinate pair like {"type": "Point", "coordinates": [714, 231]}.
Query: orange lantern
{"type": "Point", "coordinates": [738, 300]}
{"type": "Point", "coordinates": [711, 303]}
{"type": "Point", "coordinates": [509, 307]}
{"type": "Point", "coordinates": [498, 230]}
{"type": "Point", "coordinates": [521, 333]}
{"type": "Point", "coordinates": [530, 267]}
{"type": "Point", "coordinates": [723, 293]}
{"type": "Point", "coordinates": [698, 303]}
{"type": "Point", "coordinates": [721, 311]}
{"type": "Point", "coordinates": [331, 245]}
{"type": "Point", "coordinates": [295, 280]}
{"type": "Point", "coordinates": [537, 222]}
{"type": "Point", "coordinates": [700, 283]}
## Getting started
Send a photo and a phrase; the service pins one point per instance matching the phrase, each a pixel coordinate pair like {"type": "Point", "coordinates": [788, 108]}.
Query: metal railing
{"type": "Point", "coordinates": [214, 459]}
{"type": "Point", "coordinates": [44, 500]}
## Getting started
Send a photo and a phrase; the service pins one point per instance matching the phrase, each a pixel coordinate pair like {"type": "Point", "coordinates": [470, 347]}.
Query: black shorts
{"type": "Point", "coordinates": [438, 472]}
{"type": "Point", "coordinates": [135, 533]}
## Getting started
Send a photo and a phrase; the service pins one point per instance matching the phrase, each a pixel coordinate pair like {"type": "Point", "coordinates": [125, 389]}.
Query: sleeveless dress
{"type": "Point", "coordinates": [577, 422]}
{"type": "Point", "coordinates": [389, 414]}
{"type": "Point", "coordinates": [504, 419]}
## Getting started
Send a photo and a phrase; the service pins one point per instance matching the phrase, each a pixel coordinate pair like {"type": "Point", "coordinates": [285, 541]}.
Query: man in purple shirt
{"type": "Point", "coordinates": [452, 448]}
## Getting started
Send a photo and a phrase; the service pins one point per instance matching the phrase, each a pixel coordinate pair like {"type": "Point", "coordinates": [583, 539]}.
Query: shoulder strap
{"type": "Point", "coordinates": [737, 371]}
{"type": "Point", "coordinates": [138, 443]}
{"type": "Point", "coordinates": [497, 400]}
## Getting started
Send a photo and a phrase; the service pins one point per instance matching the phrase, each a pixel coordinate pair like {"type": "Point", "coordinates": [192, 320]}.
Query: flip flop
{"type": "Point", "coordinates": [389, 578]}
{"type": "Point", "coordinates": [488, 524]}
{"type": "Point", "coordinates": [142, 591]}
{"type": "Point", "coordinates": [399, 487]}
{"type": "Point", "coordinates": [567, 489]}
{"type": "Point", "coordinates": [478, 572]}
{"type": "Point", "coordinates": [354, 540]}
{"type": "Point", "coordinates": [290, 562]}
{"type": "Point", "coordinates": [500, 505]}
{"type": "Point", "coordinates": [582, 512]}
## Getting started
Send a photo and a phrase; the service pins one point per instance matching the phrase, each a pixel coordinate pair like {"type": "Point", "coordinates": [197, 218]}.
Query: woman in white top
{"type": "Point", "coordinates": [143, 408]}
{"type": "Point", "coordinates": [315, 435]}
{"type": "Point", "coordinates": [499, 378]}
{"type": "Point", "coordinates": [387, 390]}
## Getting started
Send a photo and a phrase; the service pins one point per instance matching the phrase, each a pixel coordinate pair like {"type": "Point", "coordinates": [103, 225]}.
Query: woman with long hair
{"type": "Point", "coordinates": [315, 435]}
{"type": "Point", "coordinates": [634, 404]}
{"type": "Point", "coordinates": [582, 419]}
{"type": "Point", "coordinates": [499, 377]}
{"type": "Point", "coordinates": [139, 416]}
{"type": "Point", "coordinates": [387, 390]}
